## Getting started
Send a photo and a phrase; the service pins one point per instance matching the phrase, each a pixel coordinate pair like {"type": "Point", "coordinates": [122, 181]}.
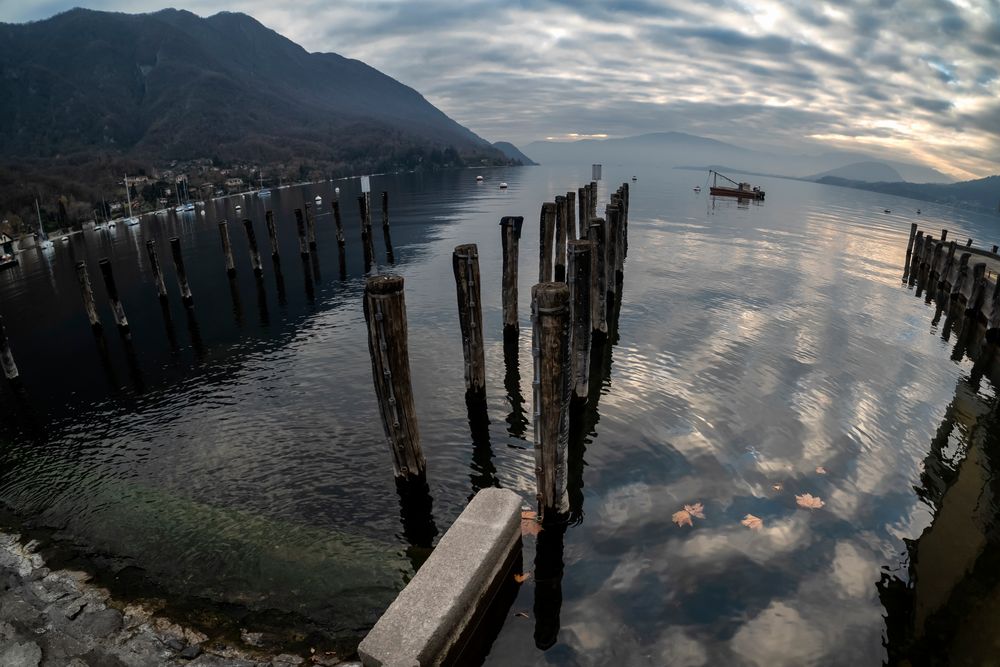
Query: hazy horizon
{"type": "Point", "coordinates": [915, 81]}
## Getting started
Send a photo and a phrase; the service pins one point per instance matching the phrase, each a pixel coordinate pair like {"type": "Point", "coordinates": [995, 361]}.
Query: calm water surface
{"type": "Point", "coordinates": [231, 458]}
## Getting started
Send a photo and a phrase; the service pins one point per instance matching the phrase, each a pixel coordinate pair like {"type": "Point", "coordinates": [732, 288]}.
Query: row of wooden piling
{"type": "Point", "coordinates": [580, 271]}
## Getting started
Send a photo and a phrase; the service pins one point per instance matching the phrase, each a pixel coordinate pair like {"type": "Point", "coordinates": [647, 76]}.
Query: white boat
{"type": "Point", "coordinates": [319, 200]}
{"type": "Point", "coordinates": [264, 193]}
{"type": "Point", "coordinates": [479, 179]}
{"type": "Point", "coordinates": [697, 188]}
{"type": "Point", "coordinates": [261, 190]}
{"type": "Point", "coordinates": [503, 185]}
{"type": "Point", "coordinates": [131, 220]}
{"type": "Point", "coordinates": [44, 242]}
{"type": "Point", "coordinates": [336, 191]}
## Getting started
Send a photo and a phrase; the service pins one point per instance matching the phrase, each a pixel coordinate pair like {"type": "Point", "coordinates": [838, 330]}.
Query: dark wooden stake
{"type": "Point", "coordinates": [571, 216]}
{"type": "Point", "coordinates": [338, 222]}
{"type": "Point", "coordinates": [366, 232]}
{"type": "Point", "coordinates": [968, 244]}
{"type": "Point", "coordinates": [592, 200]}
{"type": "Point", "coordinates": [300, 228]}
{"type": "Point", "coordinates": [944, 235]}
{"type": "Point", "coordinates": [258, 267]}
{"type": "Point", "coordinates": [560, 261]}
{"type": "Point", "coordinates": [578, 279]}
{"type": "Point", "coordinates": [465, 263]}
{"type": "Point", "coordinates": [6, 356]}
{"type": "Point", "coordinates": [272, 234]}
{"type": "Point", "coordinates": [584, 208]}
{"type": "Point", "coordinates": [598, 277]}
{"type": "Point", "coordinates": [390, 257]}
{"type": "Point", "coordinates": [978, 293]}
{"type": "Point", "coordinates": [156, 270]}
{"type": "Point", "coordinates": [547, 230]}
{"type": "Point", "coordinates": [909, 244]}
{"type": "Point", "coordinates": [385, 313]}
{"type": "Point", "coordinates": [550, 340]}
{"type": "Point", "coordinates": [88, 295]}
{"type": "Point", "coordinates": [109, 285]}
{"type": "Point", "coordinates": [510, 235]}
{"type": "Point", "coordinates": [227, 248]}
{"type": "Point", "coordinates": [182, 281]}
{"type": "Point", "coordinates": [310, 226]}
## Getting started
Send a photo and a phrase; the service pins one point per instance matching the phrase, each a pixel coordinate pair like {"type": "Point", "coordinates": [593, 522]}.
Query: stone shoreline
{"type": "Point", "coordinates": [56, 618]}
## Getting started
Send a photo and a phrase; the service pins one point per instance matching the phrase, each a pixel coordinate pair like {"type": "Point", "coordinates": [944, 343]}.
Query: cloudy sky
{"type": "Point", "coordinates": [919, 78]}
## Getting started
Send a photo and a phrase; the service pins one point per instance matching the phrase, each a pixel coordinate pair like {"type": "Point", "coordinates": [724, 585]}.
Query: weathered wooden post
{"type": "Point", "coordinates": [227, 248]}
{"type": "Point", "coordinates": [592, 199]}
{"type": "Point", "coordinates": [571, 216]}
{"type": "Point", "coordinates": [944, 235]}
{"type": "Point", "coordinates": [366, 236]}
{"type": "Point", "coordinates": [584, 208]}
{"type": "Point", "coordinates": [550, 340]}
{"type": "Point", "coordinates": [560, 261]}
{"type": "Point", "coordinates": [510, 235]}
{"type": "Point", "coordinates": [116, 304]}
{"type": "Point", "coordinates": [598, 277]}
{"type": "Point", "coordinates": [918, 246]}
{"type": "Point", "coordinates": [88, 295]}
{"type": "Point", "coordinates": [156, 270]}
{"type": "Point", "coordinates": [993, 322]}
{"type": "Point", "coordinates": [465, 263]}
{"type": "Point", "coordinates": [546, 241]}
{"type": "Point", "coordinates": [182, 281]}
{"type": "Point", "coordinates": [272, 235]}
{"type": "Point", "coordinates": [937, 257]}
{"type": "Point", "coordinates": [300, 228]}
{"type": "Point", "coordinates": [258, 268]}
{"type": "Point", "coordinates": [390, 257]}
{"type": "Point", "coordinates": [385, 313]}
{"type": "Point", "coordinates": [338, 222]}
{"type": "Point", "coordinates": [6, 356]}
{"type": "Point", "coordinates": [978, 294]}
{"type": "Point", "coordinates": [909, 245]}
{"type": "Point", "coordinates": [968, 244]}
{"type": "Point", "coordinates": [949, 265]}
{"type": "Point", "coordinates": [579, 265]}
{"type": "Point", "coordinates": [612, 225]}
{"type": "Point", "coordinates": [994, 250]}
{"type": "Point", "coordinates": [310, 226]}
{"type": "Point", "coordinates": [963, 270]}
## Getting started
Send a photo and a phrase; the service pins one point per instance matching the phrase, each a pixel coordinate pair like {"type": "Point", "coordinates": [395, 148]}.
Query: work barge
{"type": "Point", "coordinates": [740, 191]}
{"type": "Point", "coordinates": [438, 618]}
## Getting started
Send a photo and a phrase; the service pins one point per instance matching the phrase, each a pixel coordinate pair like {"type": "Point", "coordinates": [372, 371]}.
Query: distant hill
{"type": "Point", "coordinates": [512, 152]}
{"type": "Point", "coordinates": [174, 85]}
{"type": "Point", "coordinates": [871, 172]}
{"type": "Point", "coordinates": [983, 193]}
{"type": "Point", "coordinates": [672, 149]}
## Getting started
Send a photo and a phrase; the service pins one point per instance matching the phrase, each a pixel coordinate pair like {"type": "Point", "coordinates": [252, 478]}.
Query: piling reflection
{"type": "Point", "coordinates": [194, 331]}
{"type": "Point", "coordinates": [279, 281]}
{"type": "Point", "coordinates": [549, 569]}
{"type": "Point", "coordinates": [416, 513]}
{"type": "Point", "coordinates": [307, 279]}
{"type": "Point", "coordinates": [168, 325]}
{"type": "Point", "coordinates": [265, 318]}
{"type": "Point", "coordinates": [105, 357]}
{"type": "Point", "coordinates": [234, 295]}
{"type": "Point", "coordinates": [517, 423]}
{"type": "Point", "coordinates": [484, 472]}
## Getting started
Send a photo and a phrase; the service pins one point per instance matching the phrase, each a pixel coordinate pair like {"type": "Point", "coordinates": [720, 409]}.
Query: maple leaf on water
{"type": "Point", "coordinates": [752, 522]}
{"type": "Point", "coordinates": [521, 578]}
{"type": "Point", "coordinates": [809, 501]}
{"type": "Point", "coordinates": [529, 523]}
{"type": "Point", "coordinates": [820, 470]}
{"type": "Point", "coordinates": [684, 516]}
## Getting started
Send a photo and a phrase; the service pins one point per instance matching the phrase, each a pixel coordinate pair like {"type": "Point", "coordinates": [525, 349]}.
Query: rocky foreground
{"type": "Point", "coordinates": [55, 618]}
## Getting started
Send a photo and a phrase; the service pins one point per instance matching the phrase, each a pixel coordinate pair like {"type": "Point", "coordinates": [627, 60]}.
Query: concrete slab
{"type": "Point", "coordinates": [430, 616]}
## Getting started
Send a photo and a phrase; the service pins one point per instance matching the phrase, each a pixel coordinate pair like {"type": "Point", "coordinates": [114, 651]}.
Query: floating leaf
{"type": "Point", "coordinates": [776, 486]}
{"type": "Point", "coordinates": [684, 516]}
{"type": "Point", "coordinates": [752, 522]}
{"type": "Point", "coordinates": [820, 470]}
{"type": "Point", "coordinates": [530, 525]}
{"type": "Point", "coordinates": [809, 501]}
{"type": "Point", "coordinates": [521, 578]}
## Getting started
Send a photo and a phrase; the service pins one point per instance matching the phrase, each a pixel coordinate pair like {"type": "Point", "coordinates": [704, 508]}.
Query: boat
{"type": "Point", "coordinates": [7, 261]}
{"type": "Point", "coordinates": [741, 191]}
{"type": "Point", "coordinates": [886, 211]}
{"type": "Point", "coordinates": [634, 179]}
{"type": "Point", "coordinates": [45, 243]}
{"type": "Point", "coordinates": [261, 190]}
{"type": "Point", "coordinates": [131, 220]}
{"type": "Point", "coordinates": [7, 256]}
{"type": "Point", "coordinates": [918, 211]}
{"type": "Point", "coordinates": [479, 179]}
{"type": "Point", "coordinates": [186, 206]}
{"type": "Point", "coordinates": [319, 200]}
{"type": "Point", "coordinates": [503, 185]}
{"type": "Point", "coordinates": [697, 188]}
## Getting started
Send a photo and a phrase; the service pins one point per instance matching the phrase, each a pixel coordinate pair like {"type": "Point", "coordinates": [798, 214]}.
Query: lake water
{"type": "Point", "coordinates": [230, 459]}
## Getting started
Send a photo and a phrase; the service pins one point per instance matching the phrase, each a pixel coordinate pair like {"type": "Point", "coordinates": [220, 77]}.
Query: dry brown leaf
{"type": "Point", "coordinates": [820, 470]}
{"type": "Point", "coordinates": [695, 510]}
{"type": "Point", "coordinates": [752, 522]}
{"type": "Point", "coordinates": [809, 501]}
{"type": "Point", "coordinates": [776, 486]}
{"type": "Point", "coordinates": [521, 578]}
{"type": "Point", "coordinates": [684, 516]}
{"type": "Point", "coordinates": [530, 525]}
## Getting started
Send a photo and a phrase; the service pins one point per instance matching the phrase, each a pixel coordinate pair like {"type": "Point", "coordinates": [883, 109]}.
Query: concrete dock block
{"type": "Point", "coordinates": [432, 615]}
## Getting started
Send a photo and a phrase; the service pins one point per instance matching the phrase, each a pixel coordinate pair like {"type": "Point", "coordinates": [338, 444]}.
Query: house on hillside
{"type": "Point", "coordinates": [234, 184]}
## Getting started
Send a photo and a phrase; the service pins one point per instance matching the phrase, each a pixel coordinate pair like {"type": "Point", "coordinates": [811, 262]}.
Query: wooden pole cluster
{"type": "Point", "coordinates": [6, 356]}
{"type": "Point", "coordinates": [258, 267]}
{"type": "Point", "coordinates": [227, 248]}
{"type": "Point", "coordinates": [117, 310]}
{"type": "Point", "coordinates": [156, 270]}
{"type": "Point", "coordinates": [386, 236]}
{"type": "Point", "coordinates": [465, 263]}
{"type": "Point", "coordinates": [510, 235]}
{"type": "Point", "coordinates": [552, 388]}
{"type": "Point", "coordinates": [182, 281]}
{"type": "Point", "coordinates": [87, 291]}
{"type": "Point", "coordinates": [385, 314]}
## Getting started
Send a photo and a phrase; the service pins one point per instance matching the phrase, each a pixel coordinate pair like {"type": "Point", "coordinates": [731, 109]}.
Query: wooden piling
{"type": "Point", "coordinates": [612, 234]}
{"type": "Point", "coordinates": [994, 249]}
{"type": "Point", "coordinates": [182, 281]}
{"type": "Point", "coordinates": [338, 222]}
{"type": "Point", "coordinates": [385, 314]}
{"type": "Point", "coordinates": [390, 257]}
{"type": "Point", "coordinates": [584, 208]}
{"type": "Point", "coordinates": [978, 293]}
{"type": "Point", "coordinates": [937, 259]}
{"type": "Point", "coordinates": [547, 230]}
{"type": "Point", "coordinates": [914, 262]}
{"type": "Point", "coordinates": [300, 228]}
{"type": "Point", "coordinates": [963, 269]}
{"type": "Point", "coordinates": [272, 234]}
{"type": "Point", "coordinates": [156, 270]}
{"type": "Point", "coordinates": [560, 239]}
{"type": "Point", "coordinates": [909, 244]}
{"type": "Point", "coordinates": [571, 217]}
{"type": "Point", "coordinates": [579, 265]}
{"type": "Point", "coordinates": [550, 342]}
{"type": "Point", "coordinates": [227, 248]}
{"type": "Point", "coordinates": [510, 235]}
{"type": "Point", "coordinates": [6, 356]}
{"type": "Point", "coordinates": [88, 295]}
{"type": "Point", "coordinates": [593, 199]}
{"type": "Point", "coordinates": [255, 263]}
{"type": "Point", "coordinates": [993, 321]}
{"type": "Point", "coordinates": [944, 235]}
{"type": "Point", "coordinates": [109, 285]}
{"type": "Point", "coordinates": [465, 263]}
{"type": "Point", "coordinates": [366, 232]}
{"type": "Point", "coordinates": [968, 244]}
{"type": "Point", "coordinates": [598, 277]}
{"type": "Point", "coordinates": [310, 226]}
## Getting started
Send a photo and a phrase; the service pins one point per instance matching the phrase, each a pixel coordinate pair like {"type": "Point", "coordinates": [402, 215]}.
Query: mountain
{"type": "Point", "coordinates": [870, 172]}
{"type": "Point", "coordinates": [983, 193]}
{"type": "Point", "coordinates": [512, 152]}
{"type": "Point", "coordinates": [672, 149]}
{"type": "Point", "coordinates": [172, 85]}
